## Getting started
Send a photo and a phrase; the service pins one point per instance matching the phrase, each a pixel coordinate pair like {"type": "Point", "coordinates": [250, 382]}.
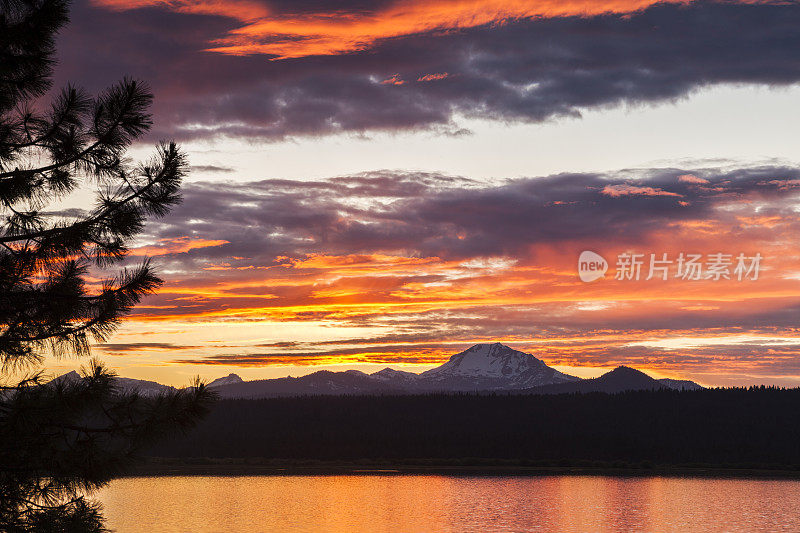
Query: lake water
{"type": "Point", "coordinates": [442, 503]}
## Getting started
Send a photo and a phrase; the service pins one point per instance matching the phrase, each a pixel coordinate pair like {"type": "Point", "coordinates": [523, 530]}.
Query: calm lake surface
{"type": "Point", "coordinates": [442, 503]}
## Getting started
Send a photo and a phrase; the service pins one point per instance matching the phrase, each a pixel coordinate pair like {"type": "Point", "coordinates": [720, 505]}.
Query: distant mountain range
{"type": "Point", "coordinates": [481, 368]}
{"type": "Point", "coordinates": [145, 388]}
{"type": "Point", "coordinates": [620, 379]}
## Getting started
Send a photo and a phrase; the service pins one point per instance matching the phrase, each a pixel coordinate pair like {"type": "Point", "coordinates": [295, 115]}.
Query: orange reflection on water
{"type": "Point", "coordinates": [443, 503]}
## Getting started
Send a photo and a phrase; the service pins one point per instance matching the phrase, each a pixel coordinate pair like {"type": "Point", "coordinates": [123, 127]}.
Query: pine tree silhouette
{"type": "Point", "coordinates": [63, 439]}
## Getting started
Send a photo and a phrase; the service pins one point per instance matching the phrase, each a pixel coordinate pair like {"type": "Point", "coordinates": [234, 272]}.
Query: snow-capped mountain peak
{"type": "Point", "coordinates": [486, 360]}
{"type": "Point", "coordinates": [511, 368]}
{"type": "Point", "coordinates": [390, 374]}
{"type": "Point", "coordinates": [143, 387]}
{"type": "Point", "coordinates": [230, 379]}
{"type": "Point", "coordinates": [69, 377]}
{"type": "Point", "coordinates": [483, 367]}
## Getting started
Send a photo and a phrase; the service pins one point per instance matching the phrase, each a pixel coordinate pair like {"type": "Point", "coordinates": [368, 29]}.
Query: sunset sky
{"type": "Point", "coordinates": [385, 183]}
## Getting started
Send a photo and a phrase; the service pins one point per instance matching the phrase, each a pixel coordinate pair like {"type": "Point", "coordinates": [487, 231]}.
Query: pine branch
{"type": "Point", "coordinates": [114, 134]}
{"type": "Point", "coordinates": [61, 440]}
{"type": "Point", "coordinates": [173, 161]}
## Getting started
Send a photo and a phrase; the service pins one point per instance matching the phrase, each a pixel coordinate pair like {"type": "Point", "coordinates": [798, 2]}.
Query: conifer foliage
{"type": "Point", "coordinates": [63, 439]}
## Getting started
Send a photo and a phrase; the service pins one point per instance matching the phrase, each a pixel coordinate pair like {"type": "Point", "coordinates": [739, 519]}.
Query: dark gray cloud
{"type": "Point", "coordinates": [528, 70]}
{"type": "Point", "coordinates": [424, 215]}
{"type": "Point", "coordinates": [211, 169]}
{"type": "Point", "coordinates": [119, 347]}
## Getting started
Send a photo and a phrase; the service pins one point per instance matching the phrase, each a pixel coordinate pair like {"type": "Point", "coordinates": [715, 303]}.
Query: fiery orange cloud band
{"type": "Point", "coordinates": [175, 246]}
{"type": "Point", "coordinates": [330, 33]}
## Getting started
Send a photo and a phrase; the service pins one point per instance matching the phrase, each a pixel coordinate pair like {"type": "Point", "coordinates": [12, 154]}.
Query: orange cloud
{"type": "Point", "coordinates": [766, 221]}
{"type": "Point", "coordinates": [175, 246]}
{"type": "Point", "coordinates": [691, 178]}
{"type": "Point", "coordinates": [615, 191]}
{"type": "Point", "coordinates": [329, 33]}
{"type": "Point", "coordinates": [785, 184]}
{"type": "Point", "coordinates": [394, 80]}
{"type": "Point", "coordinates": [433, 77]}
{"type": "Point", "coordinates": [351, 287]}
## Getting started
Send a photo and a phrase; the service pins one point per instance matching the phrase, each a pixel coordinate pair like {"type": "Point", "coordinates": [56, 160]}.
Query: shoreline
{"type": "Point", "coordinates": [333, 468]}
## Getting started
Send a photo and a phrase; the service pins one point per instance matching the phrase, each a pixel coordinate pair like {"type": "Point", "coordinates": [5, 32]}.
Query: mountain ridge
{"type": "Point", "coordinates": [621, 379]}
{"type": "Point", "coordinates": [482, 368]}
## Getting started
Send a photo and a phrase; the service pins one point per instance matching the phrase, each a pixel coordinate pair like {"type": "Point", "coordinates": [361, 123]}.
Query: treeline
{"type": "Point", "coordinates": [754, 427]}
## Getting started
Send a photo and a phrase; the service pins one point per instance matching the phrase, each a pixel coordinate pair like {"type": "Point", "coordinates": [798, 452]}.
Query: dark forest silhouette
{"type": "Point", "coordinates": [756, 427]}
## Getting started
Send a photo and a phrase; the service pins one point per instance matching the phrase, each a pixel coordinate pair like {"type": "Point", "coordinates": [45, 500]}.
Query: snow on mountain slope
{"type": "Point", "coordinates": [680, 384]}
{"type": "Point", "coordinates": [496, 366]}
{"type": "Point", "coordinates": [143, 387]}
{"type": "Point", "coordinates": [316, 383]}
{"type": "Point", "coordinates": [230, 379]}
{"type": "Point", "coordinates": [620, 379]}
{"type": "Point", "coordinates": [390, 374]}
{"type": "Point", "coordinates": [483, 367]}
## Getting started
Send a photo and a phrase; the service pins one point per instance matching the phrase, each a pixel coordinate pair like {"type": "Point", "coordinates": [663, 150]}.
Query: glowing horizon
{"type": "Point", "coordinates": [387, 184]}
